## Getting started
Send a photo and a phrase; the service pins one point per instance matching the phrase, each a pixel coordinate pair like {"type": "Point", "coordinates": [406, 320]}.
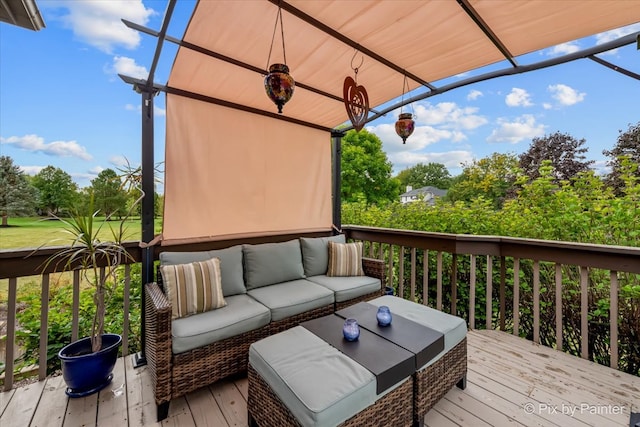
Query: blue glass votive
{"type": "Point", "coordinates": [383, 315]}
{"type": "Point", "coordinates": [351, 330]}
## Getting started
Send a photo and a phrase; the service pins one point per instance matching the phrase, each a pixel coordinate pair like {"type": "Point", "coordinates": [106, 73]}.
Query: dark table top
{"type": "Point", "coordinates": [389, 362]}
{"type": "Point", "coordinates": [425, 343]}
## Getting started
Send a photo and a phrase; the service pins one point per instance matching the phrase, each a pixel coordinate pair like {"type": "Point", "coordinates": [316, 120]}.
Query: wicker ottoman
{"type": "Point", "coordinates": [297, 379]}
{"type": "Point", "coordinates": [433, 380]}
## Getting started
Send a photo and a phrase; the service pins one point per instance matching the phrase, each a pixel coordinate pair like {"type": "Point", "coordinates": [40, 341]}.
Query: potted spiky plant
{"type": "Point", "coordinates": [87, 364]}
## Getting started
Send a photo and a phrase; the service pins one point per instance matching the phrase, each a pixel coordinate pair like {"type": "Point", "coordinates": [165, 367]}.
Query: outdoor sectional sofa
{"type": "Point", "coordinates": [268, 288]}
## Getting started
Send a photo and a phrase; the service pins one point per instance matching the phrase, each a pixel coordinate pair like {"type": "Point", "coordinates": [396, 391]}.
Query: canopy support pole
{"type": "Point", "coordinates": [336, 145]}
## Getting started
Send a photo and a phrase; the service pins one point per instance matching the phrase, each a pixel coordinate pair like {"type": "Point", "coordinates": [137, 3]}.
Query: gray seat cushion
{"type": "Point", "coordinates": [315, 253]}
{"type": "Point", "coordinates": [346, 288]}
{"type": "Point", "coordinates": [291, 298]}
{"type": "Point", "coordinates": [270, 263]}
{"type": "Point", "coordinates": [230, 265]}
{"type": "Point", "coordinates": [319, 384]}
{"type": "Point", "coordinates": [241, 314]}
{"type": "Point", "coordinates": [454, 328]}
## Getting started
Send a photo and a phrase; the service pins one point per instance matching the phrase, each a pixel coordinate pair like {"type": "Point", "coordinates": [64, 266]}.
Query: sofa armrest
{"type": "Point", "coordinates": [158, 341]}
{"type": "Point", "coordinates": [375, 268]}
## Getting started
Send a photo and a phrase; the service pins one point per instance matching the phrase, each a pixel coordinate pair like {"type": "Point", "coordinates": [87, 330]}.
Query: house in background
{"type": "Point", "coordinates": [425, 194]}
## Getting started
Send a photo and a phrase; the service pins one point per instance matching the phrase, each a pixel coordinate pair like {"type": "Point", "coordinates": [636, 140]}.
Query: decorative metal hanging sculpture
{"type": "Point", "coordinates": [356, 100]}
{"type": "Point", "coordinates": [279, 84]}
{"type": "Point", "coordinates": [405, 124]}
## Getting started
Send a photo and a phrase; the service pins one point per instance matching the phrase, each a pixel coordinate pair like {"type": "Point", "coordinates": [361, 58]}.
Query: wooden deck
{"type": "Point", "coordinates": [510, 382]}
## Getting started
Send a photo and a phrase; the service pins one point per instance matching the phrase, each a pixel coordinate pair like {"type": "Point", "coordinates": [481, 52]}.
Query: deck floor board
{"type": "Point", "coordinates": [511, 382]}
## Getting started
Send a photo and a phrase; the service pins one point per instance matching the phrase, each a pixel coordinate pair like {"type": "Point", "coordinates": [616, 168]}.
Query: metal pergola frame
{"type": "Point", "coordinates": [148, 89]}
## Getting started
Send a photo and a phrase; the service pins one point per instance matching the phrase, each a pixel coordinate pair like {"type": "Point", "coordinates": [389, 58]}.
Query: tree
{"type": "Point", "coordinates": [57, 191]}
{"type": "Point", "coordinates": [421, 175]}
{"type": "Point", "coordinates": [110, 197]}
{"type": "Point", "coordinates": [366, 171]}
{"type": "Point", "coordinates": [564, 151]}
{"type": "Point", "coordinates": [491, 178]}
{"type": "Point", "coordinates": [17, 196]}
{"type": "Point", "coordinates": [627, 145]}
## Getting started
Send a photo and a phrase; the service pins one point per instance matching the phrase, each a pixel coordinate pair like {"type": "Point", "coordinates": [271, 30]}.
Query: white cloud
{"type": "Point", "coordinates": [128, 67]}
{"type": "Point", "coordinates": [524, 127]}
{"type": "Point", "coordinates": [547, 106]}
{"type": "Point", "coordinates": [31, 170]}
{"type": "Point", "coordinates": [451, 159]}
{"type": "Point", "coordinates": [118, 161]}
{"type": "Point", "coordinates": [608, 36]}
{"type": "Point", "coordinates": [35, 144]}
{"type": "Point", "coordinates": [566, 95]}
{"type": "Point", "coordinates": [600, 167]}
{"type": "Point", "coordinates": [518, 98]}
{"type": "Point", "coordinates": [449, 115]}
{"type": "Point", "coordinates": [563, 49]}
{"type": "Point", "coordinates": [95, 171]}
{"type": "Point", "coordinates": [474, 94]}
{"type": "Point", "coordinates": [98, 23]}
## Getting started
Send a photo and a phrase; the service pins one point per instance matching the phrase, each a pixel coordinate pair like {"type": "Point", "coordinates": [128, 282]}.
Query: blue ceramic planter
{"type": "Point", "coordinates": [85, 372]}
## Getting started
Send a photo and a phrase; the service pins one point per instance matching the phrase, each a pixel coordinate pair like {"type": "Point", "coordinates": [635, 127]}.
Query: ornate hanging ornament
{"type": "Point", "coordinates": [356, 100]}
{"type": "Point", "coordinates": [278, 84]}
{"type": "Point", "coordinates": [405, 124]}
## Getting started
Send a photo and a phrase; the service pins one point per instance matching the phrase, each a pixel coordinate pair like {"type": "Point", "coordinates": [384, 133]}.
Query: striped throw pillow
{"type": "Point", "coordinates": [345, 259]}
{"type": "Point", "coordinates": [193, 288]}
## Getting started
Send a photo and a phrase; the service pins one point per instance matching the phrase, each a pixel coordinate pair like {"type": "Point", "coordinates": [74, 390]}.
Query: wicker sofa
{"type": "Point", "coordinates": [268, 288]}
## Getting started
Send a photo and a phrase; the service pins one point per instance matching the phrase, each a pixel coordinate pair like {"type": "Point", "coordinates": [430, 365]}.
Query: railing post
{"type": "Point", "coordinates": [454, 284]}
{"type": "Point", "coordinates": [559, 307]}
{"type": "Point", "coordinates": [503, 304]}
{"type": "Point", "coordinates": [11, 334]}
{"type": "Point", "coordinates": [516, 296]}
{"type": "Point", "coordinates": [44, 328]}
{"type": "Point", "coordinates": [584, 312]}
{"type": "Point", "coordinates": [613, 318]}
{"type": "Point", "coordinates": [536, 301]}
{"type": "Point", "coordinates": [472, 292]}
{"type": "Point", "coordinates": [425, 277]}
{"type": "Point", "coordinates": [489, 294]}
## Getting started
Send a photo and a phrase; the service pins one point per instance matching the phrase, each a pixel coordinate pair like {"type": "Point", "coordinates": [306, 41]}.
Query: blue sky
{"type": "Point", "coordinates": [62, 103]}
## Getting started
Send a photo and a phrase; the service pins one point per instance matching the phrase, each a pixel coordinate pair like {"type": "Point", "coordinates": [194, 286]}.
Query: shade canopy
{"type": "Point", "coordinates": [23, 13]}
{"type": "Point", "coordinates": [236, 167]}
{"type": "Point", "coordinates": [427, 40]}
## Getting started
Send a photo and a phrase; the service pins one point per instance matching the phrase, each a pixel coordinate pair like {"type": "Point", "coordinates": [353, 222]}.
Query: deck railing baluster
{"type": "Point", "coordinates": [516, 296]}
{"type": "Point", "coordinates": [472, 292]}
{"type": "Point", "coordinates": [439, 280]}
{"type": "Point", "coordinates": [425, 277]}
{"type": "Point", "coordinates": [401, 272]}
{"type": "Point", "coordinates": [536, 301]}
{"type": "Point", "coordinates": [584, 312]}
{"type": "Point", "coordinates": [413, 274]}
{"type": "Point", "coordinates": [559, 307]}
{"type": "Point", "coordinates": [44, 327]}
{"type": "Point", "coordinates": [11, 333]}
{"type": "Point", "coordinates": [489, 294]}
{"type": "Point", "coordinates": [76, 305]}
{"type": "Point", "coordinates": [613, 318]}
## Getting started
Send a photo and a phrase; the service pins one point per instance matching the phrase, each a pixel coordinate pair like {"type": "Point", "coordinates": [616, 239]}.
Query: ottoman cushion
{"type": "Point", "coordinates": [320, 385]}
{"type": "Point", "coordinates": [454, 328]}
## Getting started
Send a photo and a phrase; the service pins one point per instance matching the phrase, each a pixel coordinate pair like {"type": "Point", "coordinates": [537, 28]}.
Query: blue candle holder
{"type": "Point", "coordinates": [383, 315]}
{"type": "Point", "coordinates": [351, 330]}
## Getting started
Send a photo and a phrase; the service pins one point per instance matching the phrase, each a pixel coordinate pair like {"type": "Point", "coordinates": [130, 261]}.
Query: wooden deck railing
{"type": "Point", "coordinates": [454, 273]}
{"type": "Point", "coordinates": [507, 266]}
{"type": "Point", "coordinates": [16, 264]}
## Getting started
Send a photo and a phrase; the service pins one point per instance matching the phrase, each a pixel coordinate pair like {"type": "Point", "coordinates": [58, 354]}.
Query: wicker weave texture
{"type": "Point", "coordinates": [375, 268]}
{"type": "Point", "coordinates": [158, 341]}
{"type": "Point", "coordinates": [433, 382]}
{"type": "Point", "coordinates": [267, 410]}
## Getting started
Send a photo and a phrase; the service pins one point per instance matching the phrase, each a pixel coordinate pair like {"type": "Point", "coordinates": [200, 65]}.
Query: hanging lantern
{"type": "Point", "coordinates": [405, 126]}
{"type": "Point", "coordinates": [279, 85]}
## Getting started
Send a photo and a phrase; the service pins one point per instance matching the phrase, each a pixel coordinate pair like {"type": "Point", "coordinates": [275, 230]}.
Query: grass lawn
{"type": "Point", "coordinates": [34, 232]}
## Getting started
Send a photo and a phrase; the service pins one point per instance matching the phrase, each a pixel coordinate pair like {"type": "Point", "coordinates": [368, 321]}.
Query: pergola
{"type": "Point", "coordinates": [234, 167]}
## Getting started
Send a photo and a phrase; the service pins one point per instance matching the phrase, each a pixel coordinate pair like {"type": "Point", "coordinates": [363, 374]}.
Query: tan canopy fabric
{"type": "Point", "coordinates": [231, 174]}
{"type": "Point", "coordinates": [230, 171]}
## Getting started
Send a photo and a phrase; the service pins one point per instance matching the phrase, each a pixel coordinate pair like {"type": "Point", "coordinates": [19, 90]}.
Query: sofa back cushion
{"type": "Point", "coordinates": [315, 253]}
{"type": "Point", "coordinates": [345, 259]}
{"type": "Point", "coordinates": [193, 288]}
{"type": "Point", "coordinates": [230, 266]}
{"type": "Point", "coordinates": [269, 263]}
